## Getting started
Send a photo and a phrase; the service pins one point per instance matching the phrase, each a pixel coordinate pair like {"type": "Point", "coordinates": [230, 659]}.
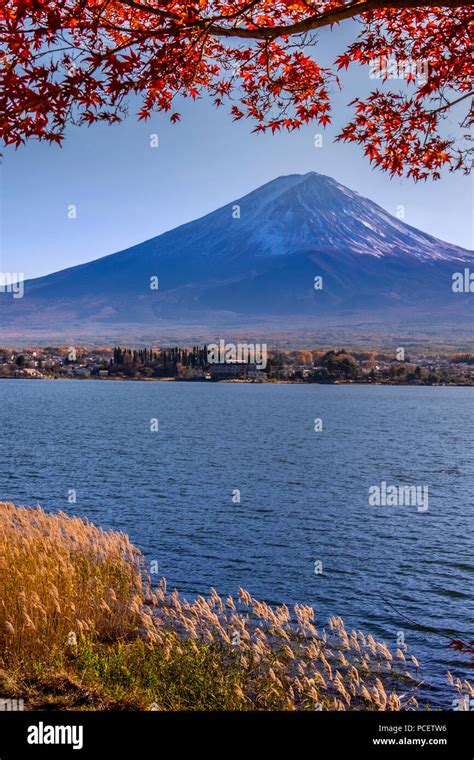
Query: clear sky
{"type": "Point", "coordinates": [126, 191]}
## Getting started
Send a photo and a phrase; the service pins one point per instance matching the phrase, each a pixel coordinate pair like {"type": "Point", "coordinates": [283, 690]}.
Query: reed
{"type": "Point", "coordinates": [62, 576]}
{"type": "Point", "coordinates": [78, 609]}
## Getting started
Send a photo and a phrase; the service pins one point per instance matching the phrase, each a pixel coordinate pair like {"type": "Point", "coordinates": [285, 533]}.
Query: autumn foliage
{"type": "Point", "coordinates": [77, 61]}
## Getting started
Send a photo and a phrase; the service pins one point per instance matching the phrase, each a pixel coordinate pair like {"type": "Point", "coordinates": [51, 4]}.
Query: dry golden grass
{"type": "Point", "coordinates": [78, 610]}
{"type": "Point", "coordinates": [62, 575]}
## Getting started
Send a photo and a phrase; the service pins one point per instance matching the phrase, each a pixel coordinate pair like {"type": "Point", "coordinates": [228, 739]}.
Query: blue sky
{"type": "Point", "coordinates": [126, 192]}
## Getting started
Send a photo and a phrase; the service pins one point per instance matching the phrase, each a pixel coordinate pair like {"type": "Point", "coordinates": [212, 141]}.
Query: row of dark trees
{"type": "Point", "coordinates": [195, 357]}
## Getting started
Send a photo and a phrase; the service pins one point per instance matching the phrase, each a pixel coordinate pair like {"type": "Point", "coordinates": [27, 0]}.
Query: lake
{"type": "Point", "coordinates": [237, 488]}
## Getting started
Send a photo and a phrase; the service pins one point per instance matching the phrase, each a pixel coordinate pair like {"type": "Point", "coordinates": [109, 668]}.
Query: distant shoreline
{"type": "Point", "coordinates": [238, 381]}
{"type": "Point", "coordinates": [240, 363]}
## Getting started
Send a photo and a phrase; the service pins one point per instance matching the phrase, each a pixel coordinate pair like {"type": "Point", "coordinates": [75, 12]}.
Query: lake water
{"type": "Point", "coordinates": [303, 494]}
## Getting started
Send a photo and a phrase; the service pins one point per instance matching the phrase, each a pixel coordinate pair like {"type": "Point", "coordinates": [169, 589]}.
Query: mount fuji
{"type": "Point", "coordinates": [252, 264]}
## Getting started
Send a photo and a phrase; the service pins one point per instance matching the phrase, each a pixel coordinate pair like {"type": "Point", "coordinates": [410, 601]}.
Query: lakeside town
{"type": "Point", "coordinates": [193, 364]}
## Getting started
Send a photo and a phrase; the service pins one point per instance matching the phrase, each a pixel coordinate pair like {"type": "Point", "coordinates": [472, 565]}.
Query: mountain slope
{"type": "Point", "coordinates": [257, 258]}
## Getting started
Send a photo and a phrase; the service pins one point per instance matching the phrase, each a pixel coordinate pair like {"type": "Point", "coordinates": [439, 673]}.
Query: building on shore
{"type": "Point", "coordinates": [235, 370]}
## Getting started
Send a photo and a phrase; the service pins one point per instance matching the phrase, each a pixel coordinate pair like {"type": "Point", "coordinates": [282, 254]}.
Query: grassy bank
{"type": "Point", "coordinates": [82, 627]}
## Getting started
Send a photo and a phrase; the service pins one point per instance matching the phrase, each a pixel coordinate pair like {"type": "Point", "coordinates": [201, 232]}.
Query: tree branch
{"type": "Point", "coordinates": [316, 21]}
{"type": "Point", "coordinates": [452, 103]}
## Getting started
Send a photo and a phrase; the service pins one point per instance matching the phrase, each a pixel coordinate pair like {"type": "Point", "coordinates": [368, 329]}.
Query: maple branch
{"type": "Point", "coordinates": [160, 49]}
{"type": "Point", "coordinates": [316, 21]}
{"type": "Point", "coordinates": [466, 647]}
{"type": "Point", "coordinates": [452, 103]}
